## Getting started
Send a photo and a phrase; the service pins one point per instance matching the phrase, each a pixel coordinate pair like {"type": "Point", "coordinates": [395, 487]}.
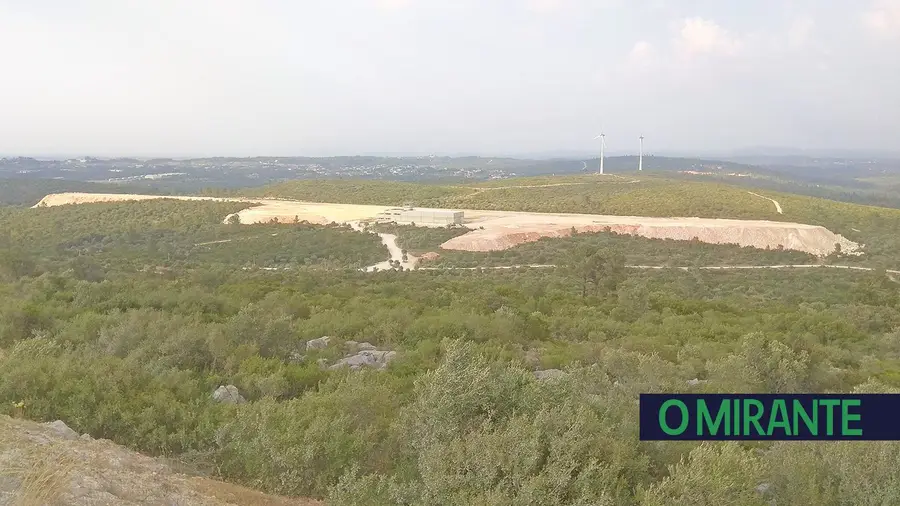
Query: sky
{"type": "Point", "coordinates": [341, 77]}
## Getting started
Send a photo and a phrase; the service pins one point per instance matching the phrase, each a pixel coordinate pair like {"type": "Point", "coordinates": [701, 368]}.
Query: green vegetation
{"type": "Point", "coordinates": [171, 234]}
{"type": "Point", "coordinates": [877, 228]}
{"type": "Point", "coordinates": [420, 240]}
{"type": "Point", "coordinates": [91, 337]}
{"type": "Point", "coordinates": [351, 191]}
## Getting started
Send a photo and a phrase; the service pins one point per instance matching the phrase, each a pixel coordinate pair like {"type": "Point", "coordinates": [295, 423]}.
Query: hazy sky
{"type": "Point", "coordinates": [320, 77]}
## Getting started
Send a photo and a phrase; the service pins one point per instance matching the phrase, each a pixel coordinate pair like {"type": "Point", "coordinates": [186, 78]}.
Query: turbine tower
{"type": "Point", "coordinates": [602, 138]}
{"type": "Point", "coordinates": [641, 156]}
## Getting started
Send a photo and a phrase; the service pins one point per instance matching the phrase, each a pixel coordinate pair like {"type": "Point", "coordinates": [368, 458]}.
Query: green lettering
{"type": "Point", "coordinates": [737, 418]}
{"type": "Point", "coordinates": [662, 417]}
{"type": "Point", "coordinates": [779, 407]}
{"type": "Point", "coordinates": [847, 417]}
{"type": "Point", "coordinates": [829, 415]}
{"type": "Point", "coordinates": [812, 424]}
{"type": "Point", "coordinates": [752, 418]}
{"type": "Point", "coordinates": [704, 417]}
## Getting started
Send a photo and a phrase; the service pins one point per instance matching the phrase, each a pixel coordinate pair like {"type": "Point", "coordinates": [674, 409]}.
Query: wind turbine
{"type": "Point", "coordinates": [641, 157]}
{"type": "Point", "coordinates": [602, 138]}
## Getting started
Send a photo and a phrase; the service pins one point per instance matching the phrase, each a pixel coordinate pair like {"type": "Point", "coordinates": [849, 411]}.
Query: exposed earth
{"type": "Point", "coordinates": [499, 230]}
{"type": "Point", "coordinates": [49, 464]}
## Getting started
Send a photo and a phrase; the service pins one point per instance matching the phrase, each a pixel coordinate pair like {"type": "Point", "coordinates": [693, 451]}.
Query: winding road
{"type": "Point", "coordinates": [396, 252]}
{"type": "Point", "coordinates": [777, 205]}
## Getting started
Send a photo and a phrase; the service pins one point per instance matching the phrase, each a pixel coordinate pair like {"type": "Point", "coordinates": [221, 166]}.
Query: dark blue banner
{"type": "Point", "coordinates": [770, 417]}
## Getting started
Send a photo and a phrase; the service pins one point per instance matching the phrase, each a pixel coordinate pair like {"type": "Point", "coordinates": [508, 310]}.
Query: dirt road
{"type": "Point", "coordinates": [673, 267]}
{"type": "Point", "coordinates": [777, 205]}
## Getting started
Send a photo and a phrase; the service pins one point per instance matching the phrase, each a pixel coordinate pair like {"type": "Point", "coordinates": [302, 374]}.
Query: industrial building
{"type": "Point", "coordinates": [409, 215]}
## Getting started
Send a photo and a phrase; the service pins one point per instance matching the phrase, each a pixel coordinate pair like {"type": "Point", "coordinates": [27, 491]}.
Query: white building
{"type": "Point", "coordinates": [410, 215]}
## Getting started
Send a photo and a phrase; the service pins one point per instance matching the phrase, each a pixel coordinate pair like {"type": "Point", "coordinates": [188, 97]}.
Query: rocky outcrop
{"type": "Point", "coordinates": [378, 359]}
{"type": "Point", "coordinates": [43, 464]}
{"type": "Point", "coordinates": [318, 344]}
{"type": "Point", "coordinates": [228, 394]}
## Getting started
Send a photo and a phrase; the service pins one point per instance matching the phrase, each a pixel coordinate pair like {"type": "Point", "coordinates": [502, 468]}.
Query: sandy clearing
{"type": "Point", "coordinates": [499, 230]}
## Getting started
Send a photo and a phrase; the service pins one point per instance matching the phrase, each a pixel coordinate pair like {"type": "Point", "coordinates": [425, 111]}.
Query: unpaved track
{"type": "Point", "coordinates": [777, 205]}
{"type": "Point", "coordinates": [673, 267]}
{"type": "Point", "coordinates": [396, 252]}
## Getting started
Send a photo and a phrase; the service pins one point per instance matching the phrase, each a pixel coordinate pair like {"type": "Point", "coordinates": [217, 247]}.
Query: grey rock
{"type": "Point", "coordinates": [366, 358]}
{"type": "Point", "coordinates": [318, 344]}
{"type": "Point", "coordinates": [296, 358]}
{"type": "Point", "coordinates": [62, 429]}
{"type": "Point", "coordinates": [366, 346]}
{"type": "Point", "coordinates": [351, 344]}
{"type": "Point", "coordinates": [763, 488]}
{"type": "Point", "coordinates": [228, 394]}
{"type": "Point", "coordinates": [549, 374]}
{"type": "Point", "coordinates": [86, 437]}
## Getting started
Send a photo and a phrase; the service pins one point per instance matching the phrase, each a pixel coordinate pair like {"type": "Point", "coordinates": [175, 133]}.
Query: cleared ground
{"type": "Point", "coordinates": [499, 230]}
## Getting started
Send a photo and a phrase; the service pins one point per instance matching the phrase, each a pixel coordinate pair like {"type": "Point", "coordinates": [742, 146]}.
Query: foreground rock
{"type": "Point", "coordinates": [318, 344]}
{"type": "Point", "coordinates": [228, 394]}
{"type": "Point", "coordinates": [40, 464]}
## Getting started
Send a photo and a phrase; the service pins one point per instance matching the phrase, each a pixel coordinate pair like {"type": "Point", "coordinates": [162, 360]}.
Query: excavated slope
{"type": "Point", "coordinates": [504, 232]}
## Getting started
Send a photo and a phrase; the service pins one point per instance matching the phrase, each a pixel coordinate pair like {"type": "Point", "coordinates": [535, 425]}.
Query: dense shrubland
{"type": "Point", "coordinates": [174, 233]}
{"type": "Point", "coordinates": [458, 418]}
{"type": "Point", "coordinates": [90, 337]}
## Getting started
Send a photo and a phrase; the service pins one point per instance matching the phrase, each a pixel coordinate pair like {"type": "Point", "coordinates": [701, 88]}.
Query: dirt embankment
{"type": "Point", "coordinates": [44, 464]}
{"type": "Point", "coordinates": [504, 232]}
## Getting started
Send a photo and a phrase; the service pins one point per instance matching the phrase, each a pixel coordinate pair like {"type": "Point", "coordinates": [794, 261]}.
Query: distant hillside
{"type": "Point", "coordinates": [633, 194]}
{"type": "Point", "coordinates": [27, 192]}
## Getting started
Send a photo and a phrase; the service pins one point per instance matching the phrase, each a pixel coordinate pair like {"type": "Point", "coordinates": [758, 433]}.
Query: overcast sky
{"type": "Point", "coordinates": [323, 77]}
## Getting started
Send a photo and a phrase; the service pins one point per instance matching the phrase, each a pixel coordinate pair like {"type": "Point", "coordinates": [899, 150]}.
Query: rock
{"type": "Point", "coordinates": [352, 344]}
{"type": "Point", "coordinates": [228, 394]}
{"type": "Point", "coordinates": [366, 346]}
{"type": "Point", "coordinates": [318, 344]}
{"type": "Point", "coordinates": [694, 382]}
{"type": "Point", "coordinates": [86, 437]}
{"type": "Point", "coordinates": [62, 429]}
{"type": "Point", "coordinates": [430, 256]}
{"type": "Point", "coordinates": [296, 358]}
{"type": "Point", "coordinates": [549, 374]}
{"type": "Point", "coordinates": [366, 358]}
{"type": "Point", "coordinates": [322, 362]}
{"type": "Point", "coordinates": [763, 488]}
